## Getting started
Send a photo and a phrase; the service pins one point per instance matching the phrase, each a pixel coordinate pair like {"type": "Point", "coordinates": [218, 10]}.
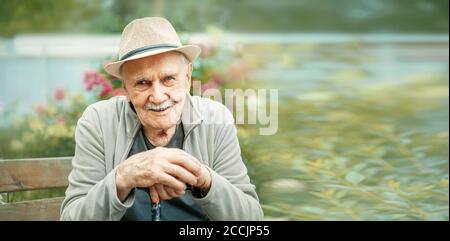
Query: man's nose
{"type": "Point", "coordinates": [158, 93]}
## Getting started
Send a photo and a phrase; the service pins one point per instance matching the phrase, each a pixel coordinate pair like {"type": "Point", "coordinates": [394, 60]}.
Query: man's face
{"type": "Point", "coordinates": [157, 86]}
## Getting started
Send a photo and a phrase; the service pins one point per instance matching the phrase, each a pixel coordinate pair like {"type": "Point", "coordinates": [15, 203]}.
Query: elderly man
{"type": "Point", "coordinates": [158, 153]}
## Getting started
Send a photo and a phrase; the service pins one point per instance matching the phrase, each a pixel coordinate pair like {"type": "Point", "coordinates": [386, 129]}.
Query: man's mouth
{"type": "Point", "coordinates": [159, 108]}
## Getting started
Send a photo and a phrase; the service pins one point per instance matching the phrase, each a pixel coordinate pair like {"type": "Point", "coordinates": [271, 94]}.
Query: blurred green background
{"type": "Point", "coordinates": [110, 16]}
{"type": "Point", "coordinates": [363, 93]}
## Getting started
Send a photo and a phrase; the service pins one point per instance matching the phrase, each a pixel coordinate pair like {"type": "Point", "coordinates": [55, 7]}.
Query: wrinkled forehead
{"type": "Point", "coordinates": [169, 62]}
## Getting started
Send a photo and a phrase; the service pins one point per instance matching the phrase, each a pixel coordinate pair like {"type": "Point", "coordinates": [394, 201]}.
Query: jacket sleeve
{"type": "Point", "coordinates": [91, 194]}
{"type": "Point", "coordinates": [231, 195]}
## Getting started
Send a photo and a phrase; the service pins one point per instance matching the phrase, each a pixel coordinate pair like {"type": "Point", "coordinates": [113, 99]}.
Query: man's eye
{"type": "Point", "coordinates": [141, 82]}
{"type": "Point", "coordinates": [169, 78]}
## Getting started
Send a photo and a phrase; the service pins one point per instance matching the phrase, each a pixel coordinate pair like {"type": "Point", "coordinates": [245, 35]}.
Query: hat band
{"type": "Point", "coordinates": [146, 49]}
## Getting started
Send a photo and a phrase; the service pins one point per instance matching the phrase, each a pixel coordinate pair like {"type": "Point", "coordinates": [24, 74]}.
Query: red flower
{"type": "Point", "coordinates": [118, 92]}
{"type": "Point", "coordinates": [59, 94]}
{"type": "Point", "coordinates": [106, 89]}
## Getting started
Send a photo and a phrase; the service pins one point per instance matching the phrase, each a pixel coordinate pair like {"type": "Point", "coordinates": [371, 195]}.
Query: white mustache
{"type": "Point", "coordinates": [159, 107]}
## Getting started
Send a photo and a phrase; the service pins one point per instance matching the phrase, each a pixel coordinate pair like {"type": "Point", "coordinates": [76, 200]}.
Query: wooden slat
{"type": "Point", "coordinates": [36, 173]}
{"type": "Point", "coordinates": [43, 209]}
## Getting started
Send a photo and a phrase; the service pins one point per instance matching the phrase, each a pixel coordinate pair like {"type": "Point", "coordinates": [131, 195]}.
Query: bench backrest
{"type": "Point", "coordinates": [33, 174]}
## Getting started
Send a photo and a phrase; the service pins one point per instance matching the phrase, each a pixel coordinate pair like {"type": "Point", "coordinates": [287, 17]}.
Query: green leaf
{"type": "Point", "coordinates": [354, 177]}
{"type": "Point", "coordinates": [314, 210]}
{"type": "Point", "coordinates": [397, 203]}
{"type": "Point", "coordinates": [341, 187]}
{"type": "Point", "coordinates": [391, 196]}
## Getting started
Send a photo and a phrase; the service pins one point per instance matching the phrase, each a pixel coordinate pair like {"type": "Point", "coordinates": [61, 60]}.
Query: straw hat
{"type": "Point", "coordinates": [149, 36]}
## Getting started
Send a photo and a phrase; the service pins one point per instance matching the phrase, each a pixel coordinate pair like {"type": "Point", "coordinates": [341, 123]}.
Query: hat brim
{"type": "Point", "coordinates": [190, 51]}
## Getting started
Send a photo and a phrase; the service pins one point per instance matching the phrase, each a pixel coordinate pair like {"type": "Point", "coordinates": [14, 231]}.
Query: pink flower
{"type": "Point", "coordinates": [238, 70]}
{"type": "Point", "coordinates": [59, 94]}
{"type": "Point", "coordinates": [88, 83]}
{"type": "Point", "coordinates": [210, 85]}
{"type": "Point", "coordinates": [217, 78]}
{"type": "Point", "coordinates": [98, 79]}
{"type": "Point", "coordinates": [106, 89]}
{"type": "Point", "coordinates": [92, 79]}
{"type": "Point", "coordinates": [40, 109]}
{"type": "Point", "coordinates": [61, 120]}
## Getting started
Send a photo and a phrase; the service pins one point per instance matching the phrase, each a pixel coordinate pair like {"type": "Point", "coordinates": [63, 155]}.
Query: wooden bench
{"type": "Point", "coordinates": [33, 174]}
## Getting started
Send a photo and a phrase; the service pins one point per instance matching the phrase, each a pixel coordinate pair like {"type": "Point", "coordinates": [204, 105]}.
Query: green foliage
{"type": "Point", "coordinates": [347, 149]}
{"type": "Point", "coordinates": [38, 16]}
{"type": "Point", "coordinates": [48, 132]}
{"type": "Point", "coordinates": [110, 16]}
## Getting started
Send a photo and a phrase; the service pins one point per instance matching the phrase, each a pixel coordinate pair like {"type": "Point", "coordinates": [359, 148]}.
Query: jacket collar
{"type": "Point", "coordinates": [190, 117]}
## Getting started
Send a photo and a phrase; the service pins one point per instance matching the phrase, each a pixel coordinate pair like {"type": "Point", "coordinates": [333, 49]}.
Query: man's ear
{"type": "Point", "coordinates": [189, 74]}
{"type": "Point", "coordinates": [126, 90]}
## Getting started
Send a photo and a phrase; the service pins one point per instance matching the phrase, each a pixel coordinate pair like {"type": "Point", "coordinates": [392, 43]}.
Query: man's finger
{"type": "Point", "coordinates": [170, 181]}
{"type": "Point", "coordinates": [172, 193]}
{"type": "Point", "coordinates": [183, 159]}
{"type": "Point", "coordinates": [192, 158]}
{"type": "Point", "coordinates": [181, 173]}
{"type": "Point", "coordinates": [154, 195]}
{"type": "Point", "coordinates": [162, 192]}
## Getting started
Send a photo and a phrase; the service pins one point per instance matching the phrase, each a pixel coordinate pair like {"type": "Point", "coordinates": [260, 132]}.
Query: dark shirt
{"type": "Point", "coordinates": [180, 208]}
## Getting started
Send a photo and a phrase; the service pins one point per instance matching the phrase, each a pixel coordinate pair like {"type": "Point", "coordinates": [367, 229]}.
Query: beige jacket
{"type": "Point", "coordinates": [104, 136]}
